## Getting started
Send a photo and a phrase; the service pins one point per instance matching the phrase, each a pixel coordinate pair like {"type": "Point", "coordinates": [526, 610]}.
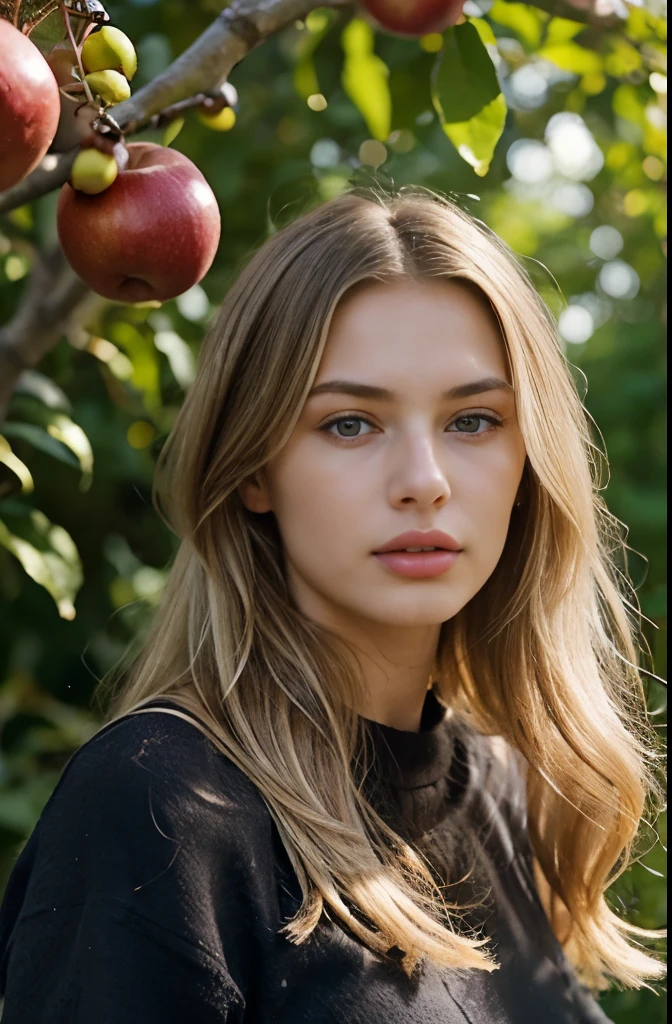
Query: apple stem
{"type": "Point", "coordinates": [87, 32]}
{"type": "Point", "coordinates": [78, 55]}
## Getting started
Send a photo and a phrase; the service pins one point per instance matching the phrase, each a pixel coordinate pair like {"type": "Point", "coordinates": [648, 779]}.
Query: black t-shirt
{"type": "Point", "coordinates": [153, 887]}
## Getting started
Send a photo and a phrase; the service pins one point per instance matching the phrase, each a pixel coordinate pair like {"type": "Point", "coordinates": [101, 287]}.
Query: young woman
{"type": "Point", "coordinates": [385, 745]}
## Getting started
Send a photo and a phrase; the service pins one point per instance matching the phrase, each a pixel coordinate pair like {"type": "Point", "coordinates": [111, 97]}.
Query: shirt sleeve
{"type": "Point", "coordinates": [104, 963]}
{"type": "Point", "coordinates": [141, 893]}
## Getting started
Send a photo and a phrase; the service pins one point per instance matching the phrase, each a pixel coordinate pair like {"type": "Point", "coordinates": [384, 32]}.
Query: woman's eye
{"type": "Point", "coordinates": [346, 427]}
{"type": "Point", "coordinates": [471, 422]}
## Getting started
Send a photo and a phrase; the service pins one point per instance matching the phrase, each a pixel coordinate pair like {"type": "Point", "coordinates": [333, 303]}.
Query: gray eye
{"type": "Point", "coordinates": [475, 419]}
{"type": "Point", "coordinates": [348, 428]}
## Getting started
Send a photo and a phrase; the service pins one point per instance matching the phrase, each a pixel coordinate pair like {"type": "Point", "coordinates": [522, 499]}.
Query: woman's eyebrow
{"type": "Point", "coordinates": [348, 387]}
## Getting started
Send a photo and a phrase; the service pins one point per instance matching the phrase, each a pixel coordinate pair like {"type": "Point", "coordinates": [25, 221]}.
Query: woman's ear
{"type": "Point", "coordinates": [254, 493]}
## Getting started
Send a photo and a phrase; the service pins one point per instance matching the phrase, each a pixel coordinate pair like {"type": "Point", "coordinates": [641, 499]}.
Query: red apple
{"type": "Point", "coordinates": [415, 17]}
{"type": "Point", "coordinates": [29, 105]}
{"type": "Point", "coordinates": [151, 235]}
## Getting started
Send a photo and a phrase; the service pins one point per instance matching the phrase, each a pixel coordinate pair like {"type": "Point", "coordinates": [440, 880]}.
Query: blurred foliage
{"type": "Point", "coordinates": [572, 127]}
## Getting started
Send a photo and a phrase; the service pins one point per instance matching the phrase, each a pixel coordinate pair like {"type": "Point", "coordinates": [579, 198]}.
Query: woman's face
{"type": "Point", "coordinates": [382, 448]}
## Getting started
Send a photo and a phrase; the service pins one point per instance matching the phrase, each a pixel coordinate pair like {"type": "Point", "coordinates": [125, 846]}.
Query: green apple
{"type": "Point", "coordinates": [93, 171]}
{"type": "Point", "coordinates": [109, 85]}
{"type": "Point", "coordinates": [222, 121]}
{"type": "Point", "coordinates": [108, 50]}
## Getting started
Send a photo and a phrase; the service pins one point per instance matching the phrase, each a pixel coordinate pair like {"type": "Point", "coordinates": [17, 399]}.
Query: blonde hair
{"type": "Point", "coordinates": [542, 656]}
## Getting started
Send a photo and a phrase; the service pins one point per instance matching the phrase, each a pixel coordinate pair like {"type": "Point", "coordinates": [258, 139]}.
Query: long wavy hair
{"type": "Point", "coordinates": [544, 655]}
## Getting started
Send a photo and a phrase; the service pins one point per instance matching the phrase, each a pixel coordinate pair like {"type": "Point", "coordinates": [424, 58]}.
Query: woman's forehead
{"type": "Point", "coordinates": [410, 329]}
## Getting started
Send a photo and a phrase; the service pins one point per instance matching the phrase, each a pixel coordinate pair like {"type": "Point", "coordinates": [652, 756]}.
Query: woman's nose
{"type": "Point", "coordinates": [417, 477]}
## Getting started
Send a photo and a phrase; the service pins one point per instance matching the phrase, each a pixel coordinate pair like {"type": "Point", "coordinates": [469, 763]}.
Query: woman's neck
{"type": "Point", "coordinates": [396, 665]}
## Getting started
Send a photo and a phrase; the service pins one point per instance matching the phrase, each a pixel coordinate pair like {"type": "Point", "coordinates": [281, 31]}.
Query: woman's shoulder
{"type": "Point", "coordinates": [152, 772]}
{"type": "Point", "coordinates": [148, 816]}
{"type": "Point", "coordinates": [162, 736]}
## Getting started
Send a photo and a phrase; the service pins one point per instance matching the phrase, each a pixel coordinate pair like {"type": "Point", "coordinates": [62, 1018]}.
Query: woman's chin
{"type": "Point", "coordinates": [412, 612]}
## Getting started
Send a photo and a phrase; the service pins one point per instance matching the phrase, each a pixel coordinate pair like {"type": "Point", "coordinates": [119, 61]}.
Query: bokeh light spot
{"type": "Point", "coordinates": [147, 581]}
{"type": "Point", "coordinates": [576, 325]}
{"type": "Point", "coordinates": [193, 304]}
{"type": "Point", "coordinates": [653, 167]}
{"type": "Point", "coordinates": [658, 82]}
{"type": "Point", "coordinates": [529, 87]}
{"type": "Point", "coordinates": [401, 141]}
{"type": "Point", "coordinates": [372, 153]}
{"type": "Point", "coordinates": [140, 434]}
{"type": "Point", "coordinates": [574, 199]}
{"type": "Point", "coordinates": [529, 161]}
{"type": "Point", "coordinates": [593, 83]}
{"type": "Point", "coordinates": [619, 280]}
{"type": "Point", "coordinates": [575, 152]}
{"type": "Point", "coordinates": [635, 203]}
{"type": "Point", "coordinates": [317, 102]}
{"type": "Point", "coordinates": [325, 153]}
{"type": "Point", "coordinates": [16, 267]}
{"type": "Point", "coordinates": [432, 42]}
{"type": "Point", "coordinates": [606, 242]}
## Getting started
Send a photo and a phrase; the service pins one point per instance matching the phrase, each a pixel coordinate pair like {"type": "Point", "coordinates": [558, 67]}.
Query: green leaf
{"type": "Point", "coordinates": [624, 58]}
{"type": "Point", "coordinates": [409, 91]}
{"type": "Point", "coordinates": [526, 22]}
{"type": "Point", "coordinates": [13, 467]}
{"type": "Point", "coordinates": [179, 356]}
{"type": "Point", "coordinates": [306, 82]}
{"type": "Point", "coordinates": [40, 387]}
{"type": "Point", "coordinates": [305, 78]}
{"type": "Point", "coordinates": [26, 13]}
{"type": "Point", "coordinates": [63, 429]}
{"type": "Point", "coordinates": [643, 24]}
{"type": "Point", "coordinates": [626, 103]}
{"type": "Point", "coordinates": [46, 425]}
{"type": "Point", "coordinates": [561, 30]}
{"type": "Point", "coordinates": [50, 31]}
{"type": "Point", "coordinates": [466, 94]}
{"type": "Point", "coordinates": [305, 75]}
{"type": "Point", "coordinates": [47, 553]}
{"type": "Point", "coordinates": [572, 57]}
{"type": "Point", "coordinates": [41, 440]}
{"type": "Point", "coordinates": [365, 78]}
{"type": "Point", "coordinates": [173, 130]}
{"type": "Point", "coordinates": [139, 348]}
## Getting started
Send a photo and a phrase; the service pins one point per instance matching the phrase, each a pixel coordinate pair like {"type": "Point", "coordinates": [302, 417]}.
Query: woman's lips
{"type": "Point", "coordinates": [419, 564]}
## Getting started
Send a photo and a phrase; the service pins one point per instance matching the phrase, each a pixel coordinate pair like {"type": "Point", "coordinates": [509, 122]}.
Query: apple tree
{"type": "Point", "coordinates": [547, 120]}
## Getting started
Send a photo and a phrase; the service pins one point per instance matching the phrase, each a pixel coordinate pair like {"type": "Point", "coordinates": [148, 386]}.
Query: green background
{"type": "Point", "coordinates": [120, 372]}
